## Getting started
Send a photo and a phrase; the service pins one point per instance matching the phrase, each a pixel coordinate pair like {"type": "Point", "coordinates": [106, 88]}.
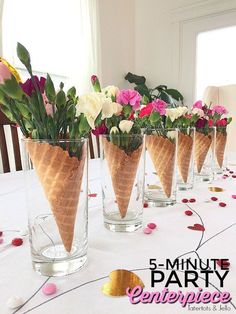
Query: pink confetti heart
{"type": "Point", "coordinates": [197, 227]}
{"type": "Point", "coordinates": [234, 197]}
{"type": "Point", "coordinates": [92, 195]}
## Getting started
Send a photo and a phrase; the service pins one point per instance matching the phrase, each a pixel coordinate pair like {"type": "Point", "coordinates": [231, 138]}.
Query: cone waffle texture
{"type": "Point", "coordinates": [221, 140]}
{"type": "Point", "coordinates": [162, 152]}
{"type": "Point", "coordinates": [123, 169]}
{"type": "Point", "coordinates": [202, 145]}
{"type": "Point", "coordinates": [61, 178]}
{"type": "Point", "coordinates": [185, 147]}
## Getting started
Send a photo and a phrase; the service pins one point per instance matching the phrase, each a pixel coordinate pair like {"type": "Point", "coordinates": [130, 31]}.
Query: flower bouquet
{"type": "Point", "coordinates": [161, 143]}
{"type": "Point", "coordinates": [218, 119]}
{"type": "Point", "coordinates": [114, 118]}
{"type": "Point", "coordinates": [56, 148]}
{"type": "Point", "coordinates": [204, 142]}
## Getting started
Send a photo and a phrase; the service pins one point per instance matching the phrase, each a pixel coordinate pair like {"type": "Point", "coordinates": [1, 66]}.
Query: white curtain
{"type": "Point", "coordinates": [61, 36]}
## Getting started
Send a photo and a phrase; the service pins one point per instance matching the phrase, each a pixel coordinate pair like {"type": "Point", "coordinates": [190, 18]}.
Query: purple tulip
{"type": "Point", "coordinates": [28, 86]}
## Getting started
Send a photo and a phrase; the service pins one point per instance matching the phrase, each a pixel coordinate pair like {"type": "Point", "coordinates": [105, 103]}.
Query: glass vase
{"type": "Point", "coordinates": [185, 173]}
{"type": "Point", "coordinates": [122, 163]}
{"type": "Point", "coordinates": [220, 146]}
{"type": "Point", "coordinates": [161, 156]}
{"type": "Point", "coordinates": [204, 150]}
{"type": "Point", "coordinates": [57, 202]}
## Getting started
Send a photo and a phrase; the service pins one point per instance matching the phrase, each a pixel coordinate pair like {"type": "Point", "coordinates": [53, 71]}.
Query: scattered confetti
{"type": "Point", "coordinates": [184, 200]}
{"type": "Point", "coordinates": [145, 205]}
{"type": "Point", "coordinates": [215, 189]}
{"type": "Point", "coordinates": [17, 242]}
{"type": "Point", "coordinates": [1, 233]}
{"type": "Point", "coordinates": [92, 195]}
{"type": "Point", "coordinates": [188, 212]}
{"type": "Point", "coordinates": [213, 198]}
{"type": "Point", "coordinates": [192, 200]}
{"type": "Point", "coordinates": [14, 302]}
{"type": "Point", "coordinates": [151, 225]}
{"type": "Point", "coordinates": [49, 288]}
{"type": "Point", "coordinates": [197, 227]}
{"type": "Point", "coordinates": [222, 204]}
{"type": "Point", "coordinates": [234, 196]}
{"type": "Point", "coordinates": [223, 263]}
{"type": "Point", "coordinates": [234, 176]}
{"type": "Point", "coordinates": [231, 172]}
{"type": "Point", "coordinates": [147, 230]}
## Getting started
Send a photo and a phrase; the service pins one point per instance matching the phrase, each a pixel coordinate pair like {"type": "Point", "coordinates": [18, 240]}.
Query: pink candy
{"type": "Point", "coordinates": [151, 225]}
{"type": "Point", "coordinates": [49, 288]}
{"type": "Point", "coordinates": [147, 230]}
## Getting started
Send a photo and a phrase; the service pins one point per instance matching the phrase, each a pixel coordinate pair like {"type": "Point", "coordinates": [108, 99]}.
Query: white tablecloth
{"type": "Point", "coordinates": [81, 292]}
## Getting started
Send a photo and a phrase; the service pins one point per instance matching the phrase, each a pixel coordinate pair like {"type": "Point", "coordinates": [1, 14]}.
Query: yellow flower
{"type": "Point", "coordinates": [11, 69]}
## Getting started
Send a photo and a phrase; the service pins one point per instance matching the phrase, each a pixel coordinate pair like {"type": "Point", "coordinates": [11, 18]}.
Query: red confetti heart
{"type": "Point", "coordinates": [17, 242]}
{"type": "Point", "coordinates": [231, 172]}
{"type": "Point", "coordinates": [145, 205]}
{"type": "Point", "coordinates": [192, 200]}
{"type": "Point", "coordinates": [213, 198]}
{"type": "Point", "coordinates": [92, 195]}
{"type": "Point", "coordinates": [222, 204]}
{"type": "Point", "coordinates": [223, 263]}
{"type": "Point", "coordinates": [197, 227]}
{"type": "Point", "coordinates": [184, 200]}
{"type": "Point", "coordinates": [1, 233]}
{"type": "Point", "coordinates": [188, 212]}
{"type": "Point", "coordinates": [234, 176]}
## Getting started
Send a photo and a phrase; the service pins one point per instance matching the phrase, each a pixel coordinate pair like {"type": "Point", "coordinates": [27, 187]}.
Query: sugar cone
{"type": "Point", "coordinates": [185, 147]}
{"type": "Point", "coordinates": [61, 178]}
{"type": "Point", "coordinates": [202, 145]}
{"type": "Point", "coordinates": [162, 152]}
{"type": "Point", "coordinates": [123, 169]}
{"type": "Point", "coordinates": [220, 147]}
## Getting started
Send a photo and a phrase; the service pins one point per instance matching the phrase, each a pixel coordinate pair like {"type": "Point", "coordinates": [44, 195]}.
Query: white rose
{"type": "Point", "coordinates": [182, 111]}
{"type": "Point", "coordinates": [91, 105]}
{"type": "Point", "coordinates": [114, 130]}
{"type": "Point", "coordinates": [110, 91]}
{"type": "Point", "coordinates": [110, 108]}
{"type": "Point", "coordinates": [171, 135]}
{"type": "Point", "coordinates": [172, 113]}
{"type": "Point", "coordinates": [125, 126]}
{"type": "Point", "coordinates": [198, 111]}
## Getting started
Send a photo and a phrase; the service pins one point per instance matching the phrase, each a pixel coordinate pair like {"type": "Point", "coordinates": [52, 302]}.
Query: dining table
{"type": "Point", "coordinates": [197, 228]}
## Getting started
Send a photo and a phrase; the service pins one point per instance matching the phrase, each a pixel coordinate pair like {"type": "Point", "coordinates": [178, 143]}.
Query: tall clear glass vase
{"type": "Point", "coordinates": [123, 162]}
{"type": "Point", "coordinates": [57, 201]}
{"type": "Point", "coordinates": [160, 173]}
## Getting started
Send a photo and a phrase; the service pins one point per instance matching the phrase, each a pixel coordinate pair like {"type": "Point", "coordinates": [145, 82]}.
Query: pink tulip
{"type": "Point", "coordinates": [5, 73]}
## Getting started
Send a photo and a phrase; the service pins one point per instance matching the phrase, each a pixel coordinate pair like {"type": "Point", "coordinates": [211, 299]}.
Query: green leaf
{"type": "Point", "coordinates": [143, 90]}
{"type": "Point", "coordinates": [154, 117]}
{"type": "Point", "coordinates": [136, 79]}
{"type": "Point", "coordinates": [71, 92]}
{"type": "Point", "coordinates": [12, 88]}
{"type": "Point", "coordinates": [174, 93]}
{"type": "Point", "coordinates": [161, 87]}
{"type": "Point", "coordinates": [7, 113]}
{"type": "Point", "coordinates": [50, 89]}
{"type": "Point", "coordinates": [127, 109]}
{"type": "Point", "coordinates": [84, 127]}
{"type": "Point", "coordinates": [61, 99]}
{"type": "Point", "coordinates": [23, 55]}
{"type": "Point", "coordinates": [167, 98]}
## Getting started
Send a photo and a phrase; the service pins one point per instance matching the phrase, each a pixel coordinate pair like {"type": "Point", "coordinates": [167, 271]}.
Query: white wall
{"type": "Point", "coordinates": [117, 40]}
{"type": "Point", "coordinates": [165, 38]}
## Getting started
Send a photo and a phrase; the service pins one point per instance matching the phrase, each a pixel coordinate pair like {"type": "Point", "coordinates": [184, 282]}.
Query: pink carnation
{"type": "Point", "coordinates": [219, 109]}
{"type": "Point", "coordinates": [160, 106]}
{"type": "Point", "coordinates": [198, 104]}
{"type": "Point", "coordinates": [5, 73]}
{"type": "Point", "coordinates": [129, 97]}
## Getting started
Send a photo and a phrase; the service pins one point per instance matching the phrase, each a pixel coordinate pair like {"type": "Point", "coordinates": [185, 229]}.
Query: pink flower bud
{"type": "Point", "coordinates": [5, 73]}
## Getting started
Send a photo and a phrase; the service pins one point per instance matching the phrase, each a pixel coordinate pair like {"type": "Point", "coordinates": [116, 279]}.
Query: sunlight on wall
{"type": "Point", "coordinates": [216, 59]}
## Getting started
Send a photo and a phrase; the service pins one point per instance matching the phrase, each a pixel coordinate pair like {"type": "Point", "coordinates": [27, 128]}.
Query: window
{"type": "Point", "coordinates": [59, 34]}
{"type": "Point", "coordinates": [216, 61]}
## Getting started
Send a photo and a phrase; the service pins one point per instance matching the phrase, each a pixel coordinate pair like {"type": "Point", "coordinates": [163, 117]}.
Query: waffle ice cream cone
{"type": "Point", "coordinates": [162, 153]}
{"type": "Point", "coordinates": [221, 140]}
{"type": "Point", "coordinates": [123, 169]}
{"type": "Point", "coordinates": [202, 145]}
{"type": "Point", "coordinates": [61, 178]}
{"type": "Point", "coordinates": [185, 147]}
